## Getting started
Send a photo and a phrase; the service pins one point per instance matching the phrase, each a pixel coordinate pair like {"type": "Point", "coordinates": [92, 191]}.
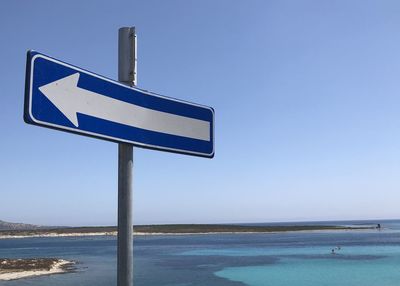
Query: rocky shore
{"type": "Point", "coordinates": [11, 269]}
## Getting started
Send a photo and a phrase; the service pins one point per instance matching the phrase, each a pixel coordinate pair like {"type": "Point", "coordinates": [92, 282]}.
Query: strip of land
{"type": "Point", "coordinates": [12, 269]}
{"type": "Point", "coordinates": [173, 229]}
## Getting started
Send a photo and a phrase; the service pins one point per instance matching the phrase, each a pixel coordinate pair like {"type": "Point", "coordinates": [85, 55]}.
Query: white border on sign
{"type": "Point", "coordinates": [105, 136]}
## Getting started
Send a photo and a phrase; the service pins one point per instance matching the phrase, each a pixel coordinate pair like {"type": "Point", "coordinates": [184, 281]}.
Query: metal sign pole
{"type": "Point", "coordinates": [126, 75]}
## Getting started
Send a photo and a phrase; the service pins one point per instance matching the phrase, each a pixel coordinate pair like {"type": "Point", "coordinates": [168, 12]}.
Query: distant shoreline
{"type": "Point", "coordinates": [177, 229]}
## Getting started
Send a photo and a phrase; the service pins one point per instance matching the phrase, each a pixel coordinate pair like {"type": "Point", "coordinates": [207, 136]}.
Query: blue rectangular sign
{"type": "Point", "coordinates": [61, 96]}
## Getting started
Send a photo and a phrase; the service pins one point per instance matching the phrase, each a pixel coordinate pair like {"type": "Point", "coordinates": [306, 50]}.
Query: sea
{"type": "Point", "coordinates": [361, 258]}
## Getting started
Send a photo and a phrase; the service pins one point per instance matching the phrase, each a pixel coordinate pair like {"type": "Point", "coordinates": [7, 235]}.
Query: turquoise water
{"type": "Point", "coordinates": [372, 265]}
{"type": "Point", "coordinates": [318, 272]}
{"type": "Point", "coordinates": [365, 258]}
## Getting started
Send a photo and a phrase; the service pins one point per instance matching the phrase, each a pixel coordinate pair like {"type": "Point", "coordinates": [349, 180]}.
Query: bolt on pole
{"type": "Point", "coordinates": [126, 75]}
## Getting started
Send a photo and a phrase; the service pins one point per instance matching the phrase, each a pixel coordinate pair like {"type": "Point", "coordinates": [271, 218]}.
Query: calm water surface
{"type": "Point", "coordinates": [303, 259]}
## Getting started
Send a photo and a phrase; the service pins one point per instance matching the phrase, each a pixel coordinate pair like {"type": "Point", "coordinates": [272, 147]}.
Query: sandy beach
{"type": "Point", "coordinates": [7, 236]}
{"type": "Point", "coordinates": [178, 229]}
{"type": "Point", "coordinates": [12, 269]}
{"type": "Point", "coordinates": [115, 233]}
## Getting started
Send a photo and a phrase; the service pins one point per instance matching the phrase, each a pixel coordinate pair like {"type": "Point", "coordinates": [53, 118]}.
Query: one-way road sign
{"type": "Point", "coordinates": [61, 96]}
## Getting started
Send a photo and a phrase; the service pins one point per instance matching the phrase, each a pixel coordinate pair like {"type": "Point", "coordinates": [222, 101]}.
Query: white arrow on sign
{"type": "Point", "coordinates": [71, 100]}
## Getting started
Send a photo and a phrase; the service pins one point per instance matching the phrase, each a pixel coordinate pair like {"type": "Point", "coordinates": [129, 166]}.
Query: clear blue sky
{"type": "Point", "coordinates": [306, 93]}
